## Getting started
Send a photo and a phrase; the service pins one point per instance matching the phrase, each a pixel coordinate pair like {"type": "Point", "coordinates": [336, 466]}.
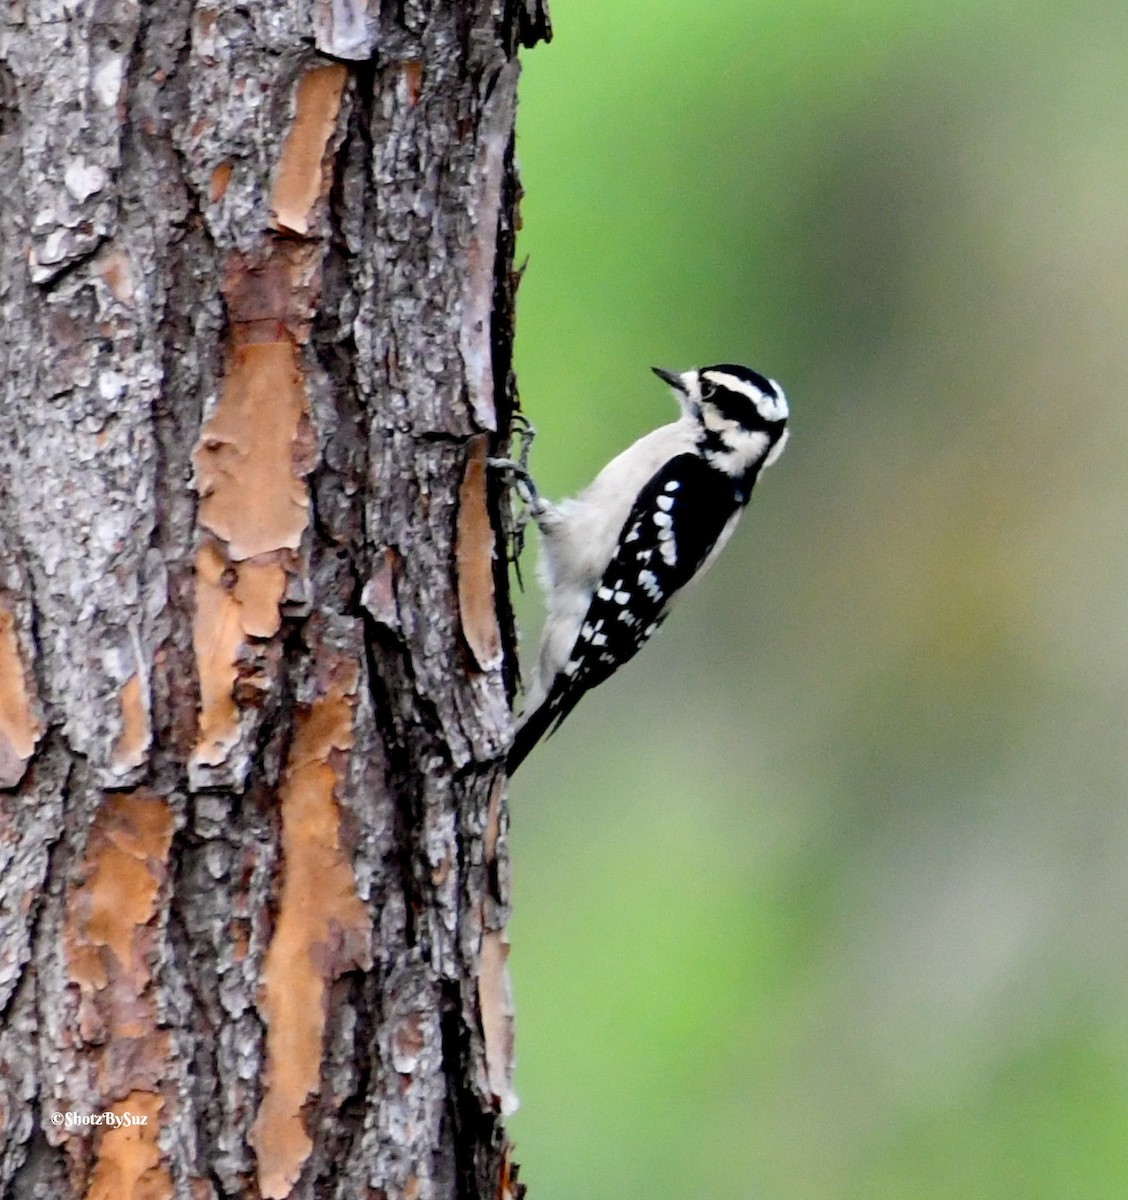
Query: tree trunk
{"type": "Point", "coordinates": [255, 647]}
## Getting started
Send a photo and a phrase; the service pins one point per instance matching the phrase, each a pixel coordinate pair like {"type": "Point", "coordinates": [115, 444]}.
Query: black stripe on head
{"type": "Point", "coordinates": [743, 396]}
{"type": "Point", "coordinates": [735, 406]}
{"type": "Point", "coordinates": [747, 375]}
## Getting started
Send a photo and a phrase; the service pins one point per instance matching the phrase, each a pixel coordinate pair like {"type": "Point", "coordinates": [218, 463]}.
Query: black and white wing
{"type": "Point", "coordinates": [679, 521]}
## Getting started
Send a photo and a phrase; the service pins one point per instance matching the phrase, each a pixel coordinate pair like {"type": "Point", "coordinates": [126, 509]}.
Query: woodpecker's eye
{"type": "Point", "coordinates": [708, 389]}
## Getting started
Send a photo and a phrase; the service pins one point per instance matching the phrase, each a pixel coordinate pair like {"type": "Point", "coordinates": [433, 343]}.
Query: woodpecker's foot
{"type": "Point", "coordinates": [522, 481]}
{"type": "Point", "coordinates": [528, 506]}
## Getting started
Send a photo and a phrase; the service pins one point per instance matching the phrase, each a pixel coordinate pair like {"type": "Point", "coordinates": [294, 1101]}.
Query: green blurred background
{"type": "Point", "coordinates": [827, 896]}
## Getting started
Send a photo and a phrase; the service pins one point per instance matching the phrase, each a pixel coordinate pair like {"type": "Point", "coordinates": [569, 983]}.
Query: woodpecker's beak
{"type": "Point", "coordinates": [673, 378]}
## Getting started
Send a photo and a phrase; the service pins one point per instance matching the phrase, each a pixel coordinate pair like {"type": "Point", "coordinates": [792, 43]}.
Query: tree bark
{"type": "Point", "coordinates": [255, 646]}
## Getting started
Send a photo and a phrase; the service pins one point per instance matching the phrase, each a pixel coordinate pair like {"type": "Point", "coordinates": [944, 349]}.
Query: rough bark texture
{"type": "Point", "coordinates": [255, 318]}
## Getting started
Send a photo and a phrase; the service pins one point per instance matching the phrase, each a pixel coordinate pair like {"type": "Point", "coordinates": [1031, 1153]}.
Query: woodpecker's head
{"type": "Point", "coordinates": [742, 414]}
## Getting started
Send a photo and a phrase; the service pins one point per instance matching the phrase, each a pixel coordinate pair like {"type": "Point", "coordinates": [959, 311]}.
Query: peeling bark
{"type": "Point", "coordinates": [256, 302]}
{"type": "Point", "coordinates": [20, 723]}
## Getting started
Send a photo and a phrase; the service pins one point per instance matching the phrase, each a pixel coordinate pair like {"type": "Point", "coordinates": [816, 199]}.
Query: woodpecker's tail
{"type": "Point", "coordinates": [533, 727]}
{"type": "Point", "coordinates": [543, 720]}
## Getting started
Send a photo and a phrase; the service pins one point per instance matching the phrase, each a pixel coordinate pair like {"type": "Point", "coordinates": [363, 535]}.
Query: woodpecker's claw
{"type": "Point", "coordinates": [522, 432]}
{"type": "Point", "coordinates": [526, 488]}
